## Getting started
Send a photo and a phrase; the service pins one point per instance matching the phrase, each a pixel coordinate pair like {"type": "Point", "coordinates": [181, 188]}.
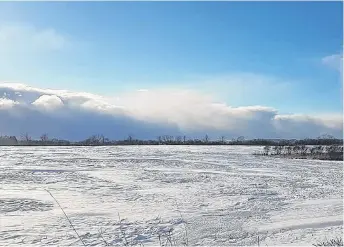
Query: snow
{"type": "Point", "coordinates": [206, 195]}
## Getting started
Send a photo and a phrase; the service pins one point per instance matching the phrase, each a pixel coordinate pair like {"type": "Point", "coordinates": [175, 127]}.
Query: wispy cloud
{"type": "Point", "coordinates": [244, 88]}
{"type": "Point", "coordinates": [334, 61]}
{"type": "Point", "coordinates": [28, 51]}
{"type": "Point", "coordinates": [26, 38]}
{"type": "Point", "coordinates": [147, 114]}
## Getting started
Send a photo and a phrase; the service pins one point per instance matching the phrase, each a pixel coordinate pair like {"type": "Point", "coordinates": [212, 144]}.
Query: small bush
{"type": "Point", "coordinates": [331, 242]}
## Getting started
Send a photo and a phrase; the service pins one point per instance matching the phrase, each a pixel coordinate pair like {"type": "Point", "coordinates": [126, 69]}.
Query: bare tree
{"type": "Point", "coordinates": [222, 138]}
{"type": "Point", "coordinates": [326, 136]}
{"type": "Point", "coordinates": [44, 138]}
{"type": "Point", "coordinates": [303, 149]}
{"type": "Point", "coordinates": [266, 150]}
{"type": "Point", "coordinates": [319, 149]}
{"type": "Point", "coordinates": [278, 149]}
{"type": "Point", "coordinates": [167, 139]}
{"type": "Point", "coordinates": [289, 149]}
{"type": "Point", "coordinates": [26, 137]}
{"type": "Point", "coordinates": [130, 138]}
{"type": "Point", "coordinates": [313, 150]}
{"type": "Point", "coordinates": [101, 138]}
{"type": "Point", "coordinates": [178, 139]}
{"type": "Point", "coordinates": [240, 139]}
{"type": "Point", "coordinates": [93, 140]}
{"type": "Point", "coordinates": [163, 139]}
{"type": "Point", "coordinates": [206, 139]}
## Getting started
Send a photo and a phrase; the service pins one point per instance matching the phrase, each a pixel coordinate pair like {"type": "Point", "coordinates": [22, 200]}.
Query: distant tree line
{"type": "Point", "coordinates": [321, 152]}
{"type": "Point", "coordinates": [101, 140]}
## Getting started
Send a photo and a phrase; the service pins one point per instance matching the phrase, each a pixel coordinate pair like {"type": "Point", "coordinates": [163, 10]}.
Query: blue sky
{"type": "Point", "coordinates": [276, 54]}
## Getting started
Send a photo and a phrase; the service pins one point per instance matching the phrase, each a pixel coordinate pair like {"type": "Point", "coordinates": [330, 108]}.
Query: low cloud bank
{"type": "Point", "coordinates": [147, 114]}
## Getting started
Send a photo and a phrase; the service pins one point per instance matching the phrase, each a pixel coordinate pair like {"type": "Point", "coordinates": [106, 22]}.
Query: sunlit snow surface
{"type": "Point", "coordinates": [222, 195]}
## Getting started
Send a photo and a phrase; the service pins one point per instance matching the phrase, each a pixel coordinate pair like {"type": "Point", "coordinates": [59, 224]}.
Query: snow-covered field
{"type": "Point", "coordinates": [213, 195]}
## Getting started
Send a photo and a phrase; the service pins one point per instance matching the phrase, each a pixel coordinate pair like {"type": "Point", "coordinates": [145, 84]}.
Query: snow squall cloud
{"type": "Point", "coordinates": [148, 114]}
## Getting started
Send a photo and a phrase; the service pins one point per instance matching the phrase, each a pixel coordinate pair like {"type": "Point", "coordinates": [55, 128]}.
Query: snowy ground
{"type": "Point", "coordinates": [214, 195]}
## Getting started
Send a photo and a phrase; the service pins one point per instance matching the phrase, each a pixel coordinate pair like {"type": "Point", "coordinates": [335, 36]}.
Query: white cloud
{"type": "Point", "coordinates": [334, 61]}
{"type": "Point", "coordinates": [48, 102]}
{"type": "Point", "coordinates": [147, 114]}
{"type": "Point", "coordinates": [22, 38]}
{"type": "Point", "coordinates": [7, 103]}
